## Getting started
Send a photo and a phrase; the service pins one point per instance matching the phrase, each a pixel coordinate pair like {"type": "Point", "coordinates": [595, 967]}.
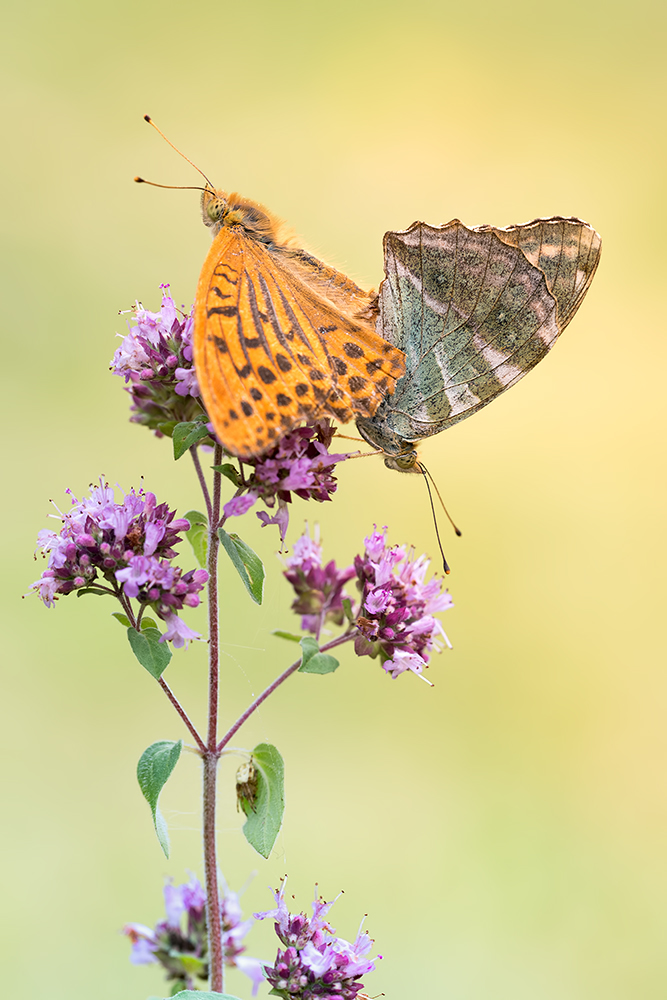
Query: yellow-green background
{"type": "Point", "coordinates": [504, 831]}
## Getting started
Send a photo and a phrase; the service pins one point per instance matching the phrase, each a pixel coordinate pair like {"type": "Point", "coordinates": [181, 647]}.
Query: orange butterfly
{"type": "Point", "coordinates": [280, 338]}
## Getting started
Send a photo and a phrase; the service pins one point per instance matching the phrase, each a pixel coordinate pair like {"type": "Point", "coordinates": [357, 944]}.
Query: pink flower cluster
{"type": "Point", "coordinates": [180, 942]}
{"type": "Point", "coordinates": [300, 463]}
{"type": "Point", "coordinates": [315, 964]}
{"type": "Point", "coordinates": [155, 359]}
{"type": "Point", "coordinates": [318, 589]}
{"type": "Point", "coordinates": [124, 549]}
{"type": "Point", "coordinates": [394, 618]}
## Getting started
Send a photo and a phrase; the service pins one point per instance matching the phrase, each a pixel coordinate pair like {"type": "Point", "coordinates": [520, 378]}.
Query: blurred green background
{"type": "Point", "coordinates": [505, 830]}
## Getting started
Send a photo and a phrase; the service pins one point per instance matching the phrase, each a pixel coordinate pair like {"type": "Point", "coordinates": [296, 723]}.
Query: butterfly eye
{"type": "Point", "coordinates": [215, 209]}
{"type": "Point", "coordinates": [402, 463]}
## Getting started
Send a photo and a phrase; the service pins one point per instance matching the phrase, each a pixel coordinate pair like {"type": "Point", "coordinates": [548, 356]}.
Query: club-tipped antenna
{"type": "Point", "coordinates": [425, 472]}
{"type": "Point", "coordinates": [150, 121]}
{"type": "Point", "coordinates": [170, 187]}
{"type": "Point", "coordinates": [445, 564]}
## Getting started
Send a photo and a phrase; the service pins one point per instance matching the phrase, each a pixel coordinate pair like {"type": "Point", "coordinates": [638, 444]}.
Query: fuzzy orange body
{"type": "Point", "coordinates": [280, 338]}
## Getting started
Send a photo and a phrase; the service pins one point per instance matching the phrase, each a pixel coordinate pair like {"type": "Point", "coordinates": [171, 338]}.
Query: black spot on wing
{"type": "Point", "coordinates": [353, 350]}
{"type": "Point", "coordinates": [222, 311]}
{"type": "Point", "coordinates": [356, 384]}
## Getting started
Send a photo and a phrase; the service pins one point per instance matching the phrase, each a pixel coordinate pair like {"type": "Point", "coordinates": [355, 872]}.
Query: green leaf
{"type": "Point", "coordinates": [314, 662]}
{"type": "Point", "coordinates": [186, 434]}
{"type": "Point", "coordinates": [146, 621]}
{"type": "Point", "coordinates": [230, 472]}
{"type": "Point", "coordinates": [248, 565]}
{"type": "Point", "coordinates": [167, 427]}
{"type": "Point", "coordinates": [93, 590]}
{"type": "Point", "coordinates": [154, 767]}
{"type": "Point", "coordinates": [195, 517]}
{"type": "Point", "coordinates": [151, 653]}
{"type": "Point", "coordinates": [197, 535]}
{"type": "Point", "coordinates": [263, 824]}
{"type": "Point", "coordinates": [347, 609]}
{"type": "Point", "coordinates": [287, 635]}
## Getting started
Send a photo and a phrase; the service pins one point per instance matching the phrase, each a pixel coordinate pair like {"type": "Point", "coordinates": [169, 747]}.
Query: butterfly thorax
{"type": "Point", "coordinates": [221, 210]}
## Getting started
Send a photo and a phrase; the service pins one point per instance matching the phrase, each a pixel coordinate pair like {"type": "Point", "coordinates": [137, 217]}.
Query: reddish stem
{"type": "Point", "coordinates": [272, 687]}
{"type": "Point", "coordinates": [202, 481]}
{"type": "Point", "coordinates": [214, 922]}
{"type": "Point", "coordinates": [210, 754]}
{"type": "Point", "coordinates": [183, 714]}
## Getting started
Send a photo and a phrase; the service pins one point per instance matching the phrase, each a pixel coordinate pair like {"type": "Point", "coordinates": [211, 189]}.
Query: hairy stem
{"type": "Point", "coordinates": [214, 923]}
{"type": "Point", "coordinates": [202, 482]}
{"type": "Point", "coordinates": [183, 714]}
{"type": "Point", "coordinates": [211, 755]}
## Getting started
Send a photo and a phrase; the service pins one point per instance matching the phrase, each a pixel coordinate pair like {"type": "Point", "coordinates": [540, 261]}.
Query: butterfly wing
{"type": "Point", "coordinates": [567, 251]}
{"type": "Point", "coordinates": [474, 310]}
{"type": "Point", "coordinates": [272, 352]}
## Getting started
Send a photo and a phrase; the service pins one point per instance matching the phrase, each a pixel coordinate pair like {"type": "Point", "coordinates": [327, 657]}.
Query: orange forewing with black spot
{"type": "Point", "coordinates": [279, 337]}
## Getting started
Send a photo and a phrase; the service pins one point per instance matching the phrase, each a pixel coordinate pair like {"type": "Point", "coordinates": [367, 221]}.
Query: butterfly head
{"type": "Point", "coordinates": [399, 453]}
{"type": "Point", "coordinates": [407, 461]}
{"type": "Point", "coordinates": [214, 208]}
{"type": "Point", "coordinates": [220, 210]}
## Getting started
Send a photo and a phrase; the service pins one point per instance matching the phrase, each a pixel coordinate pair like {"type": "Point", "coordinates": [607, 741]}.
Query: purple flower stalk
{"type": "Point", "coordinates": [155, 359]}
{"type": "Point", "coordinates": [394, 618]}
{"type": "Point", "coordinates": [315, 964]}
{"type": "Point", "coordinates": [183, 950]}
{"type": "Point", "coordinates": [124, 549]}
{"type": "Point", "coordinates": [300, 463]}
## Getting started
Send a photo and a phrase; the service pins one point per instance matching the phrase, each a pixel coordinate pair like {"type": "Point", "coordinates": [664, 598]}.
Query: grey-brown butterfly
{"type": "Point", "coordinates": [474, 310]}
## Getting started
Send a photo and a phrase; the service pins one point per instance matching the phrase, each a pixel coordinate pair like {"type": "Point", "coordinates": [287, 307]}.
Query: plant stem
{"type": "Point", "coordinates": [183, 714]}
{"type": "Point", "coordinates": [210, 754]}
{"type": "Point", "coordinates": [345, 637]}
{"type": "Point", "coordinates": [202, 481]}
{"type": "Point", "coordinates": [216, 957]}
{"type": "Point", "coordinates": [213, 622]}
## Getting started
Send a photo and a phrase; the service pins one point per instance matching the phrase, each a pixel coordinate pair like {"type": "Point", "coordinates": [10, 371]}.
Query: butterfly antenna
{"type": "Point", "coordinates": [424, 471]}
{"type": "Point", "coordinates": [445, 564]}
{"type": "Point", "coordinates": [150, 121]}
{"type": "Point", "coordinates": [170, 187]}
